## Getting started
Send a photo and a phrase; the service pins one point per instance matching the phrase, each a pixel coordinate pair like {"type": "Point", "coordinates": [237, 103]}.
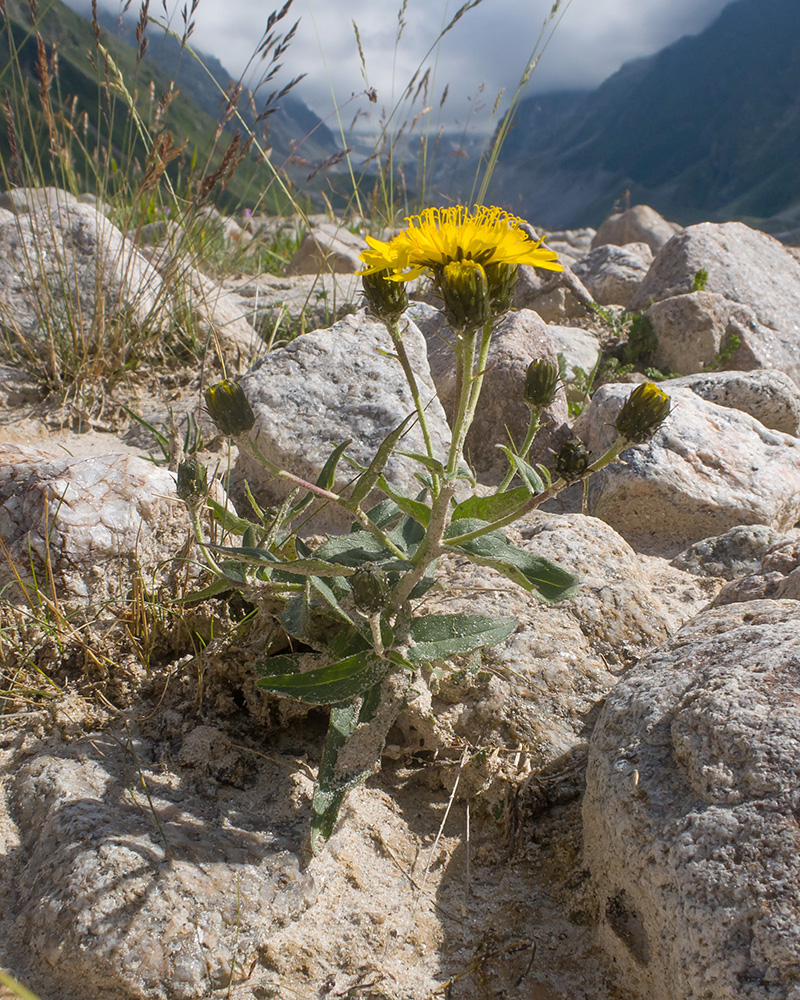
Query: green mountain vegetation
{"type": "Point", "coordinates": [707, 128]}
{"type": "Point", "coordinates": [88, 111]}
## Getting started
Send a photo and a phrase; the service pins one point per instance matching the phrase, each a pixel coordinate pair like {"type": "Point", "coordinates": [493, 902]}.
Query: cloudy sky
{"type": "Point", "coordinates": [485, 52]}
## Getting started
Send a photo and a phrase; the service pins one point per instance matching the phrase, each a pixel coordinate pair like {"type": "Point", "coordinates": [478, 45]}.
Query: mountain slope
{"type": "Point", "coordinates": [292, 125]}
{"type": "Point", "coordinates": [80, 89]}
{"type": "Point", "coordinates": [709, 127]}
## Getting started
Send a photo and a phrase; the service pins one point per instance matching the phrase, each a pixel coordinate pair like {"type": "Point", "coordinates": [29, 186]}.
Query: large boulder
{"type": "Point", "coordinates": [547, 678]}
{"type": "Point", "coordinates": [640, 224]}
{"type": "Point", "coordinates": [282, 306]}
{"type": "Point", "coordinates": [330, 247]}
{"type": "Point", "coordinates": [731, 555]}
{"type": "Point", "coordinates": [768, 395]}
{"type": "Point", "coordinates": [749, 269]}
{"type": "Point", "coordinates": [331, 386]}
{"type": "Point", "coordinates": [91, 525]}
{"type": "Point", "coordinates": [777, 577]}
{"type": "Point", "coordinates": [690, 813]}
{"type": "Point", "coordinates": [707, 469]}
{"type": "Point", "coordinates": [67, 275]}
{"type": "Point", "coordinates": [703, 331]}
{"type": "Point", "coordinates": [613, 274]}
{"type": "Point", "coordinates": [158, 898]}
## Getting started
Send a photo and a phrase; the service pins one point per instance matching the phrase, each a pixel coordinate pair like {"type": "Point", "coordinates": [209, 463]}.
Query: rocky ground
{"type": "Point", "coordinates": [604, 807]}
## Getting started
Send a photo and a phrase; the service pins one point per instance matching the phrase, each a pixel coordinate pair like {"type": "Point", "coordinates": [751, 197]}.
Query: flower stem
{"type": "Point", "coordinates": [533, 427]}
{"type": "Point", "coordinates": [194, 518]}
{"type": "Point", "coordinates": [430, 549]}
{"type": "Point", "coordinates": [533, 502]}
{"type": "Point", "coordinates": [465, 362]}
{"type": "Point", "coordinates": [408, 371]}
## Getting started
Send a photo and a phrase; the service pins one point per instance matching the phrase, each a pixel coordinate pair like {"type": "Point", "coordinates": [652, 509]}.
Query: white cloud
{"type": "Point", "coordinates": [483, 54]}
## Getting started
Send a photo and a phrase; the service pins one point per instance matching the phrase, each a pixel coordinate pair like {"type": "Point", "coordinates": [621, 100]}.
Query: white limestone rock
{"type": "Point", "coordinates": [557, 296]}
{"type": "Point", "coordinates": [580, 347]}
{"type": "Point", "coordinates": [331, 386]}
{"type": "Point", "coordinates": [275, 304]}
{"type": "Point", "coordinates": [66, 271]}
{"type": "Point", "coordinates": [154, 899]}
{"type": "Point", "coordinates": [329, 247]}
{"type": "Point", "coordinates": [640, 224]}
{"type": "Point", "coordinates": [612, 273]}
{"type": "Point", "coordinates": [538, 689]}
{"type": "Point", "coordinates": [731, 555]}
{"type": "Point", "coordinates": [100, 521]}
{"type": "Point", "coordinates": [702, 331]}
{"type": "Point", "coordinates": [768, 395]}
{"type": "Point", "coordinates": [707, 469]}
{"type": "Point", "coordinates": [690, 813]}
{"type": "Point", "coordinates": [778, 576]}
{"type": "Point", "coordinates": [26, 199]}
{"type": "Point", "coordinates": [747, 267]}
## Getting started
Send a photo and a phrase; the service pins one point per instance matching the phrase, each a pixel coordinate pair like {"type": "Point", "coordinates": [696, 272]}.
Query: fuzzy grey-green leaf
{"type": "Point", "coordinates": [333, 683]}
{"type": "Point", "coordinates": [436, 637]}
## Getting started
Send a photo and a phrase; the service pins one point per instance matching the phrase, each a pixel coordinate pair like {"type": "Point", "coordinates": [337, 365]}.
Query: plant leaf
{"type": "Point", "coordinates": [352, 549]}
{"type": "Point", "coordinates": [526, 471]}
{"type": "Point", "coordinates": [535, 574]}
{"type": "Point", "coordinates": [296, 616]}
{"type": "Point", "coordinates": [329, 597]}
{"type": "Point", "coordinates": [433, 464]}
{"type": "Point", "coordinates": [331, 684]}
{"type": "Point", "coordinates": [294, 567]}
{"type": "Point", "coordinates": [369, 479]}
{"type": "Point", "coordinates": [227, 520]}
{"type": "Point", "coordinates": [491, 508]}
{"type": "Point", "coordinates": [437, 637]}
{"type": "Point", "coordinates": [287, 663]}
{"type": "Point", "coordinates": [381, 514]}
{"type": "Point", "coordinates": [414, 508]}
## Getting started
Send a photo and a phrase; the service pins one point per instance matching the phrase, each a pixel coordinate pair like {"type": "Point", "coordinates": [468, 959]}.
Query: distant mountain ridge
{"type": "Point", "coordinates": [292, 126]}
{"type": "Point", "coordinates": [191, 116]}
{"type": "Point", "coordinates": [707, 128]}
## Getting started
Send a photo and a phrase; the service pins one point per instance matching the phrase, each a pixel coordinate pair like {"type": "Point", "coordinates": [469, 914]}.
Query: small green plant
{"type": "Point", "coordinates": [700, 280]}
{"type": "Point", "coordinates": [351, 601]}
{"type": "Point", "coordinates": [729, 346]}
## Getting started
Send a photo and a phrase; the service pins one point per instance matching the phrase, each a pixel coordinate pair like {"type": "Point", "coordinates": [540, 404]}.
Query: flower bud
{"type": "Point", "coordinates": [644, 411]}
{"type": "Point", "coordinates": [572, 460]}
{"type": "Point", "coordinates": [463, 286]}
{"type": "Point", "coordinates": [386, 299]}
{"type": "Point", "coordinates": [541, 382]}
{"type": "Point", "coordinates": [370, 587]}
{"type": "Point", "coordinates": [502, 280]}
{"type": "Point", "coordinates": [192, 481]}
{"type": "Point", "coordinates": [229, 408]}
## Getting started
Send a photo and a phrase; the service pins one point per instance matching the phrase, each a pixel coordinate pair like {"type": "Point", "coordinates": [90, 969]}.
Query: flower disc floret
{"type": "Point", "coordinates": [440, 236]}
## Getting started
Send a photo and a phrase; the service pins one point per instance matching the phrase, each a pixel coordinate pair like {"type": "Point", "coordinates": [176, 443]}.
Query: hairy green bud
{"type": "Point", "coordinates": [229, 408]}
{"type": "Point", "coordinates": [192, 481]}
{"type": "Point", "coordinates": [645, 410]}
{"type": "Point", "coordinates": [463, 286]}
{"type": "Point", "coordinates": [387, 299]}
{"type": "Point", "coordinates": [572, 460]}
{"type": "Point", "coordinates": [541, 382]}
{"type": "Point", "coordinates": [502, 280]}
{"type": "Point", "coordinates": [370, 587]}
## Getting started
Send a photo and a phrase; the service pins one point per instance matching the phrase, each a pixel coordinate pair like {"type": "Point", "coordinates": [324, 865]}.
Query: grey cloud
{"type": "Point", "coordinates": [484, 53]}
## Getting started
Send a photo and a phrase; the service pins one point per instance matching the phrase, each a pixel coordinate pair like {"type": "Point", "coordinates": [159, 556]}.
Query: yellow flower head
{"type": "Point", "coordinates": [440, 236]}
